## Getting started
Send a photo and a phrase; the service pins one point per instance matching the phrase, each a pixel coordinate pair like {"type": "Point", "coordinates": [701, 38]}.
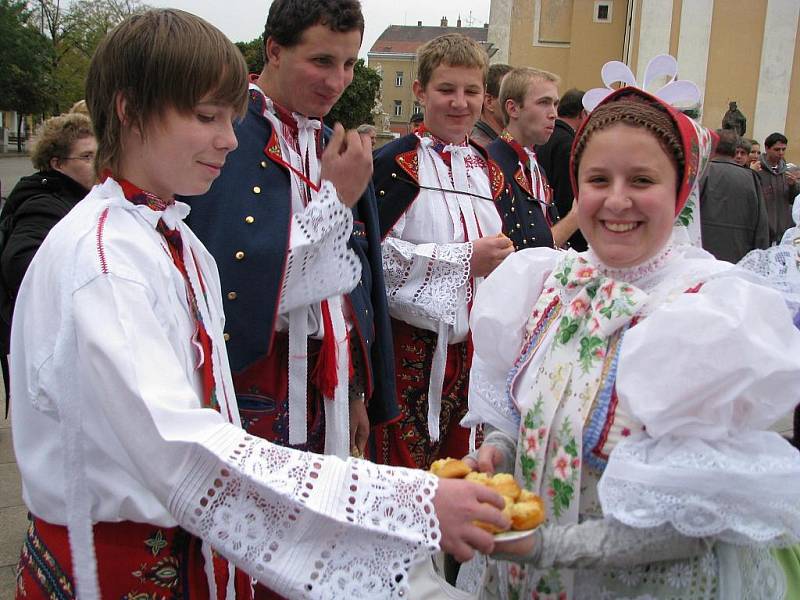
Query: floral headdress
{"type": "Point", "coordinates": [677, 95]}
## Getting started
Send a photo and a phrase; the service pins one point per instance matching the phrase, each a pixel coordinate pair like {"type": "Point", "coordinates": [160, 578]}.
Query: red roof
{"type": "Point", "coordinates": [407, 38]}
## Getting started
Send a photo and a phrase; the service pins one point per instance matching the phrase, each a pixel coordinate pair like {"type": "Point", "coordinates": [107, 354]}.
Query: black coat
{"type": "Point", "coordinates": [553, 157]}
{"type": "Point", "coordinates": [35, 205]}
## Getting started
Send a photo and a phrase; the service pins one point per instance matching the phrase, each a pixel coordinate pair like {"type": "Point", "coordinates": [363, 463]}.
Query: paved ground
{"type": "Point", "coordinates": [12, 167]}
{"type": "Point", "coordinates": [12, 511]}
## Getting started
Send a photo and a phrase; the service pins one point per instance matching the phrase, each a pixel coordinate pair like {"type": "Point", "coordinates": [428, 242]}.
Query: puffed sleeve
{"type": "Point", "coordinates": [503, 305]}
{"type": "Point", "coordinates": [706, 374]}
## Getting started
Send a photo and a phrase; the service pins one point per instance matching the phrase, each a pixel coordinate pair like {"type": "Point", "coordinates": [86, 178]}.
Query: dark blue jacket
{"type": "Point", "coordinates": [523, 219]}
{"type": "Point", "coordinates": [244, 221]}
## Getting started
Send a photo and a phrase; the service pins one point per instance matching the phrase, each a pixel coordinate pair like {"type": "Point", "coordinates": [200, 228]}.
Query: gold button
{"type": "Point", "coordinates": [226, 336]}
{"type": "Point", "coordinates": [232, 295]}
{"type": "Point", "coordinates": [256, 190]}
{"type": "Point", "coordinates": [518, 225]}
{"type": "Point", "coordinates": [239, 255]}
{"type": "Point", "coordinates": [382, 193]}
{"type": "Point", "coordinates": [249, 219]}
{"type": "Point", "coordinates": [513, 209]}
{"type": "Point", "coordinates": [263, 164]}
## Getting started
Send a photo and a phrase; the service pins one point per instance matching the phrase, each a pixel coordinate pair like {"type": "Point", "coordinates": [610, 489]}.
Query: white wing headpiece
{"type": "Point", "coordinates": [661, 70]}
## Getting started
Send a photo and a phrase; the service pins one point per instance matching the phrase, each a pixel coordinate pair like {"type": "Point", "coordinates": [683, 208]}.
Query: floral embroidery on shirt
{"type": "Point", "coordinates": [564, 468]}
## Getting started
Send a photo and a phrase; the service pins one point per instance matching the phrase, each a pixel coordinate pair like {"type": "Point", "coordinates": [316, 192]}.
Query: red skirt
{"type": "Point", "coordinates": [406, 442]}
{"type": "Point", "coordinates": [134, 561]}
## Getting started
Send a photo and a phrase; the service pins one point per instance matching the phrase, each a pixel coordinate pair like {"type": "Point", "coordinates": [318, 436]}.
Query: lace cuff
{"type": "Point", "coordinates": [320, 264]}
{"type": "Point", "coordinates": [745, 491]}
{"type": "Point", "coordinates": [426, 281]}
{"type": "Point", "coordinates": [489, 401]}
{"type": "Point", "coordinates": [309, 526]}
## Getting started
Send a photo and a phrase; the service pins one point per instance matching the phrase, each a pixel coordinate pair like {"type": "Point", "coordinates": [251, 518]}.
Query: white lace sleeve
{"type": "Point", "coordinates": [320, 264]}
{"type": "Point", "coordinates": [308, 526]}
{"type": "Point", "coordinates": [707, 374]}
{"type": "Point", "coordinates": [426, 283]}
{"type": "Point", "coordinates": [502, 307]}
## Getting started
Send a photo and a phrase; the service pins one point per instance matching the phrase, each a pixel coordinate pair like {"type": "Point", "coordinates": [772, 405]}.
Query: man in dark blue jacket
{"type": "Point", "coordinates": [293, 227]}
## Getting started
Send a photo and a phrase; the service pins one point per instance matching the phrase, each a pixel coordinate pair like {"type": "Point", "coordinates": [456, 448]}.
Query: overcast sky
{"type": "Point", "coordinates": [243, 20]}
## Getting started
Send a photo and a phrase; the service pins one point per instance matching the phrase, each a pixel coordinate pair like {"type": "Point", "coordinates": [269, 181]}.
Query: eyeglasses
{"type": "Point", "coordinates": [84, 157]}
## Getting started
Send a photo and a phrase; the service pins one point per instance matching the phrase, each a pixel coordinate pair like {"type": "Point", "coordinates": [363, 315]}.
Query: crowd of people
{"type": "Point", "coordinates": [239, 338]}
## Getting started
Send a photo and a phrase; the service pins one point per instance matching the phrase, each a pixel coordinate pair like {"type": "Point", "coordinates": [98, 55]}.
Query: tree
{"type": "Point", "coordinates": [73, 34]}
{"type": "Point", "coordinates": [26, 83]}
{"type": "Point", "coordinates": [358, 100]}
{"type": "Point", "coordinates": [253, 52]}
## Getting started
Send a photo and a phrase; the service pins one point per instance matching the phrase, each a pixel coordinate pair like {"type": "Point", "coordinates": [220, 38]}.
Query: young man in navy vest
{"type": "Point", "coordinates": [528, 100]}
{"type": "Point", "coordinates": [294, 230]}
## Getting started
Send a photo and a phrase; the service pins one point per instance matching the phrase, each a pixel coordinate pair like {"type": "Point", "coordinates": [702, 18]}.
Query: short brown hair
{"type": "Point", "coordinates": [516, 82]}
{"type": "Point", "coordinates": [453, 50]}
{"type": "Point", "coordinates": [57, 136]}
{"type": "Point", "coordinates": [159, 59]}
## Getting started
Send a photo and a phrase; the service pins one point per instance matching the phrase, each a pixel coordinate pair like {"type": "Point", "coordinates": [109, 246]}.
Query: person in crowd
{"type": "Point", "coordinates": [779, 185]}
{"type": "Point", "coordinates": [416, 120]}
{"type": "Point", "coordinates": [63, 156]}
{"type": "Point", "coordinates": [743, 149]}
{"type": "Point", "coordinates": [631, 387]}
{"type": "Point", "coordinates": [491, 122]}
{"type": "Point", "coordinates": [437, 197]}
{"type": "Point", "coordinates": [553, 157]}
{"type": "Point", "coordinates": [733, 216]}
{"type": "Point", "coordinates": [370, 132]}
{"type": "Point", "coordinates": [307, 325]}
{"type": "Point", "coordinates": [755, 155]}
{"type": "Point", "coordinates": [139, 479]}
{"type": "Point", "coordinates": [528, 100]}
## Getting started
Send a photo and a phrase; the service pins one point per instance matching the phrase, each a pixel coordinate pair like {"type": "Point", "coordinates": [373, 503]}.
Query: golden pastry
{"type": "Point", "coordinates": [450, 468]}
{"type": "Point", "coordinates": [505, 485]}
{"type": "Point", "coordinates": [527, 515]}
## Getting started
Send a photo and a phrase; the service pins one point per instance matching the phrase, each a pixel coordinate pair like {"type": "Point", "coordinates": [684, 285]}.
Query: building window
{"type": "Point", "coordinates": [398, 108]}
{"type": "Point", "coordinates": [398, 79]}
{"type": "Point", "coordinates": [603, 11]}
{"type": "Point", "coordinates": [417, 108]}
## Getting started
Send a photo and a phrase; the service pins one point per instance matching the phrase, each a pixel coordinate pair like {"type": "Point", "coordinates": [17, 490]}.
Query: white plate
{"type": "Point", "coordinates": [510, 536]}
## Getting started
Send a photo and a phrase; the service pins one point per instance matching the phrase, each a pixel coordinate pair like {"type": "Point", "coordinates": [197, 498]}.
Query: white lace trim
{"type": "Point", "coordinates": [779, 266]}
{"type": "Point", "coordinates": [320, 265]}
{"type": "Point", "coordinates": [489, 402]}
{"type": "Point", "coordinates": [741, 498]}
{"type": "Point", "coordinates": [426, 280]}
{"type": "Point", "coordinates": [309, 526]}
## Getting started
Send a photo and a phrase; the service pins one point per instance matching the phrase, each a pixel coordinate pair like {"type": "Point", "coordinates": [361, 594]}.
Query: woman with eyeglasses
{"type": "Point", "coordinates": [63, 155]}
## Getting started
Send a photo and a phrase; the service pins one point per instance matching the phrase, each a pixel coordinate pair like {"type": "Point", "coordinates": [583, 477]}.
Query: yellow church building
{"type": "Point", "coordinates": [746, 51]}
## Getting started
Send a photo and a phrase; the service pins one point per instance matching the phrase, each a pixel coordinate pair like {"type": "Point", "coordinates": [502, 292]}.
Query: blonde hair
{"type": "Point", "coordinates": [80, 108]}
{"type": "Point", "coordinates": [57, 136]}
{"type": "Point", "coordinates": [516, 82]}
{"type": "Point", "coordinates": [453, 50]}
{"type": "Point", "coordinates": [157, 60]}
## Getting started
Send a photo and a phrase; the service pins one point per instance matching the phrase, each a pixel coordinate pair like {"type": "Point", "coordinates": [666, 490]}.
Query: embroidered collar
{"type": "Point", "coordinates": [638, 272]}
{"type": "Point", "coordinates": [150, 207]}
{"type": "Point", "coordinates": [439, 145]}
